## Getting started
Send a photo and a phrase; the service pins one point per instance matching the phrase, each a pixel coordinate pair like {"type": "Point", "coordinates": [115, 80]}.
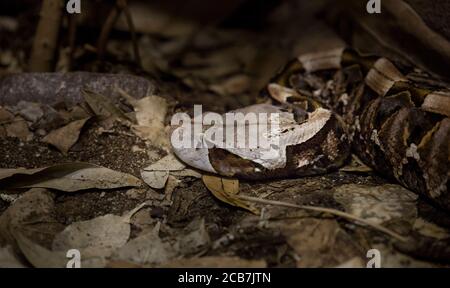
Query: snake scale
{"type": "Point", "coordinates": [395, 118]}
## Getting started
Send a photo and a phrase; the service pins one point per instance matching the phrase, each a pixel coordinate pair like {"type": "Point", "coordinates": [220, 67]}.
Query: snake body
{"type": "Point", "coordinates": [396, 120]}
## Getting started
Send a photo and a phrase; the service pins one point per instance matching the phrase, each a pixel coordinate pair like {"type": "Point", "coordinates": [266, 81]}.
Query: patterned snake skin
{"type": "Point", "coordinates": [397, 119]}
{"type": "Point", "coordinates": [337, 102]}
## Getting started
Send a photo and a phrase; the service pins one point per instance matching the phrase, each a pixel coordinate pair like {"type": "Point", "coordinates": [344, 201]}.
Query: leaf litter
{"type": "Point", "coordinates": [69, 177]}
{"type": "Point", "coordinates": [222, 69]}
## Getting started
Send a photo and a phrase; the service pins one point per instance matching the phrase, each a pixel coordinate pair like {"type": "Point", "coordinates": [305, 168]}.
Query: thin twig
{"type": "Point", "coordinates": [124, 6]}
{"type": "Point", "coordinates": [326, 210]}
{"type": "Point", "coordinates": [72, 38]}
{"type": "Point", "coordinates": [121, 6]}
{"type": "Point", "coordinates": [106, 30]}
{"type": "Point", "coordinates": [46, 38]}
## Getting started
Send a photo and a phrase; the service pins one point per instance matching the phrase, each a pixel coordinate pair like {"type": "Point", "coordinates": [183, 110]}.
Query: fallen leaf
{"type": "Point", "coordinates": [96, 239]}
{"type": "Point", "coordinates": [150, 249]}
{"type": "Point", "coordinates": [30, 111]}
{"type": "Point", "coordinates": [167, 163]}
{"type": "Point", "coordinates": [156, 175]}
{"type": "Point", "coordinates": [156, 134]}
{"type": "Point", "coordinates": [102, 106]}
{"type": "Point", "coordinates": [65, 137]}
{"type": "Point", "coordinates": [146, 249]}
{"type": "Point", "coordinates": [69, 177]}
{"type": "Point", "coordinates": [5, 172]}
{"type": "Point", "coordinates": [8, 259]}
{"type": "Point", "coordinates": [195, 238]}
{"type": "Point", "coordinates": [226, 190]}
{"type": "Point", "coordinates": [18, 128]}
{"type": "Point", "coordinates": [186, 173]}
{"type": "Point", "coordinates": [39, 256]}
{"type": "Point", "coordinates": [2, 132]}
{"type": "Point", "coordinates": [150, 114]}
{"type": "Point", "coordinates": [31, 214]}
{"type": "Point", "coordinates": [104, 231]}
{"type": "Point", "coordinates": [51, 120]}
{"type": "Point", "coordinates": [377, 204]}
{"type": "Point", "coordinates": [172, 184]}
{"type": "Point", "coordinates": [150, 111]}
{"type": "Point", "coordinates": [155, 179]}
{"type": "Point", "coordinates": [5, 116]}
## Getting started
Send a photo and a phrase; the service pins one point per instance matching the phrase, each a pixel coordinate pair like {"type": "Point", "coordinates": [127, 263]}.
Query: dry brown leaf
{"type": "Point", "coordinates": [103, 106]}
{"type": "Point", "coordinates": [31, 111]}
{"type": "Point", "coordinates": [167, 163]}
{"type": "Point", "coordinates": [104, 231]}
{"type": "Point", "coordinates": [172, 184]}
{"type": "Point", "coordinates": [186, 173]}
{"type": "Point", "coordinates": [2, 131]}
{"type": "Point", "coordinates": [155, 179]}
{"type": "Point", "coordinates": [146, 249]}
{"type": "Point", "coordinates": [97, 238]}
{"type": "Point", "coordinates": [155, 134]}
{"type": "Point", "coordinates": [150, 113]}
{"type": "Point", "coordinates": [18, 128]}
{"type": "Point", "coordinates": [38, 256]}
{"type": "Point", "coordinates": [69, 177]}
{"type": "Point", "coordinates": [150, 249]}
{"type": "Point", "coordinates": [5, 116]}
{"type": "Point", "coordinates": [156, 174]}
{"type": "Point", "coordinates": [30, 214]}
{"type": "Point", "coordinates": [195, 238]}
{"type": "Point", "coordinates": [65, 137]}
{"type": "Point", "coordinates": [226, 190]}
{"type": "Point", "coordinates": [8, 259]}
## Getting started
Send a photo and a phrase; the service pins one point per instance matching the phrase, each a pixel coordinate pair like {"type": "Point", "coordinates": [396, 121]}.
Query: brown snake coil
{"type": "Point", "coordinates": [393, 118]}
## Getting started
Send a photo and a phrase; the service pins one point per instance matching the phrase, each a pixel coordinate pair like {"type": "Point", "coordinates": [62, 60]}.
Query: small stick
{"type": "Point", "coordinates": [124, 6]}
{"type": "Point", "coordinates": [72, 37]}
{"type": "Point", "coordinates": [326, 210]}
{"type": "Point", "coordinates": [121, 5]}
{"type": "Point", "coordinates": [46, 38]}
{"type": "Point", "coordinates": [106, 30]}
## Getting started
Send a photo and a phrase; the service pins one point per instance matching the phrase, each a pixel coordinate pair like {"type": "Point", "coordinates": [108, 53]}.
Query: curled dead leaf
{"type": "Point", "coordinates": [97, 238]}
{"type": "Point", "coordinates": [65, 137]}
{"type": "Point", "coordinates": [155, 179]}
{"type": "Point", "coordinates": [8, 259]}
{"type": "Point", "coordinates": [150, 114]}
{"type": "Point", "coordinates": [68, 177]}
{"type": "Point", "coordinates": [31, 214]}
{"type": "Point", "coordinates": [103, 106]}
{"type": "Point", "coordinates": [226, 190]}
{"type": "Point", "coordinates": [18, 128]}
{"type": "Point", "coordinates": [39, 256]}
